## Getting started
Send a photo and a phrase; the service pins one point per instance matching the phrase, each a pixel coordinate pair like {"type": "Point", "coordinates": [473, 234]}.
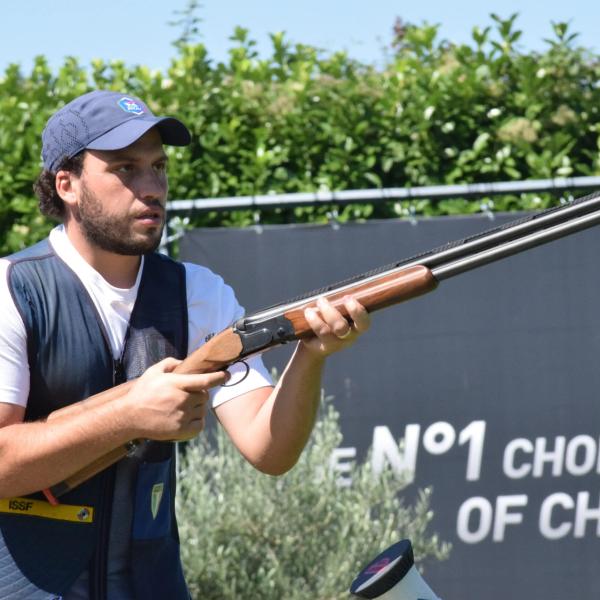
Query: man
{"type": "Point", "coordinates": [92, 306]}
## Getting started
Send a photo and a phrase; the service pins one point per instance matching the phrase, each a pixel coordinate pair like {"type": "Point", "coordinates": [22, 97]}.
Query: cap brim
{"type": "Point", "coordinates": [172, 131]}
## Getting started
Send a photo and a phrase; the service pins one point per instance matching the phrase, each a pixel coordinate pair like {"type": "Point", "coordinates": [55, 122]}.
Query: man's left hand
{"type": "Point", "coordinates": [333, 331]}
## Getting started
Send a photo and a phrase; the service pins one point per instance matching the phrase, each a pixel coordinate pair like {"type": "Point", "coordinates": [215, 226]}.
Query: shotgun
{"type": "Point", "coordinates": [375, 290]}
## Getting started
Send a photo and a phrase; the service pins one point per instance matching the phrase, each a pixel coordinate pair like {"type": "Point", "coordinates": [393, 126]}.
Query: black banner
{"type": "Point", "coordinates": [492, 381]}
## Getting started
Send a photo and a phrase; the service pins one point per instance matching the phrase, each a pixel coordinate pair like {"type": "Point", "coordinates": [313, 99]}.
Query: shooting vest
{"type": "Point", "coordinates": [70, 359]}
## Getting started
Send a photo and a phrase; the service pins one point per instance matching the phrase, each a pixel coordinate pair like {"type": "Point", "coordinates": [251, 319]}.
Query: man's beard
{"type": "Point", "coordinates": [110, 233]}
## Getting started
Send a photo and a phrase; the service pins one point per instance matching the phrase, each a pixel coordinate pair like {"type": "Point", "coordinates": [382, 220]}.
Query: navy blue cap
{"type": "Point", "coordinates": [103, 120]}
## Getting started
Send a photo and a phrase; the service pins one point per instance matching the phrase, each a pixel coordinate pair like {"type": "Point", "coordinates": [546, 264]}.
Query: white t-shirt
{"type": "Point", "coordinates": [212, 307]}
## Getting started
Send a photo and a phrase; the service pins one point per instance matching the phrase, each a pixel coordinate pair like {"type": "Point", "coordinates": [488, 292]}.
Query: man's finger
{"type": "Point", "coordinates": [359, 315]}
{"type": "Point", "coordinates": [316, 322]}
{"type": "Point", "coordinates": [167, 365]}
{"type": "Point", "coordinates": [199, 400]}
{"type": "Point", "coordinates": [336, 322]}
{"type": "Point", "coordinates": [197, 382]}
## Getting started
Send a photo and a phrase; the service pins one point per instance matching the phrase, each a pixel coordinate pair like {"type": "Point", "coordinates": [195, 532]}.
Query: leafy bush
{"type": "Point", "coordinates": [298, 536]}
{"type": "Point", "coordinates": [304, 120]}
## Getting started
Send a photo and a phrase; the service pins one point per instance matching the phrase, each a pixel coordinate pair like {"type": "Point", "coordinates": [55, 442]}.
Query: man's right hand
{"type": "Point", "coordinates": [162, 405]}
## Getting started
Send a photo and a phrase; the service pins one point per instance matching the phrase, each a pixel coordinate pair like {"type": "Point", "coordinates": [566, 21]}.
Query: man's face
{"type": "Point", "coordinates": [122, 196]}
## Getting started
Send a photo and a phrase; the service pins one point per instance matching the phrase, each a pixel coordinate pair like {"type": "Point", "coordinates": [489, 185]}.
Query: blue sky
{"type": "Point", "coordinates": [139, 32]}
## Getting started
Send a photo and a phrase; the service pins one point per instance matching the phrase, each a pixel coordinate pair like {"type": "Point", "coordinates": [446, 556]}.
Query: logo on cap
{"type": "Point", "coordinates": [129, 105]}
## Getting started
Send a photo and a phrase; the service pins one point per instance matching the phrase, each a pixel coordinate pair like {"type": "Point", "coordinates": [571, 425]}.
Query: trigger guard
{"type": "Point", "coordinates": [243, 362]}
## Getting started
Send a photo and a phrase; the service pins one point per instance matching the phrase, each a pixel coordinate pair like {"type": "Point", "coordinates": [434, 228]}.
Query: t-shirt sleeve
{"type": "Point", "coordinates": [14, 365]}
{"type": "Point", "coordinates": [212, 307]}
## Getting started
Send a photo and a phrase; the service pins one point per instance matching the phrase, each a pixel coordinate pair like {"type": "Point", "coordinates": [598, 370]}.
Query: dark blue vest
{"type": "Point", "coordinates": [70, 359]}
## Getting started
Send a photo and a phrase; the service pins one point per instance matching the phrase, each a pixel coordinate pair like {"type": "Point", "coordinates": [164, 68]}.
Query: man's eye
{"type": "Point", "coordinates": [160, 167]}
{"type": "Point", "coordinates": [124, 168]}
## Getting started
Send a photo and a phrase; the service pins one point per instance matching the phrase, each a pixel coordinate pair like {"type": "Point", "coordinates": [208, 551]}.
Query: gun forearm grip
{"type": "Point", "coordinates": [373, 295]}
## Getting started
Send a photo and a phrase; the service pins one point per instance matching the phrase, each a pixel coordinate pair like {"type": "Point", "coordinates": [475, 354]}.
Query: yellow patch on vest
{"type": "Point", "coordinates": [39, 508]}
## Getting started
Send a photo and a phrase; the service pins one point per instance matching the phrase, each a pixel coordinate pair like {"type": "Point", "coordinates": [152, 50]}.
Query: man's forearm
{"type": "Point", "coordinates": [34, 456]}
{"type": "Point", "coordinates": [160, 405]}
{"type": "Point", "coordinates": [272, 432]}
{"type": "Point", "coordinates": [295, 403]}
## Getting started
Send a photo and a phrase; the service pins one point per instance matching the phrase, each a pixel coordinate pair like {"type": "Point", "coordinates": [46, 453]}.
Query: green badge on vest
{"type": "Point", "coordinates": [156, 497]}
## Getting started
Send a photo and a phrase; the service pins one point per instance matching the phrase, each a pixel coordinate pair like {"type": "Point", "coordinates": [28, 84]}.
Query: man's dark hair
{"type": "Point", "coordinates": [51, 204]}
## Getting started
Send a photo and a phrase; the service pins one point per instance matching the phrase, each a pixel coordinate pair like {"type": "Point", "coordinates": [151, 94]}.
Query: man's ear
{"type": "Point", "coordinates": [66, 185]}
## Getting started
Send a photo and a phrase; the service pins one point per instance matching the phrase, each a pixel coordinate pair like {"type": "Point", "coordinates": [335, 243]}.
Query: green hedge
{"type": "Point", "coordinates": [250, 536]}
{"type": "Point", "coordinates": [303, 120]}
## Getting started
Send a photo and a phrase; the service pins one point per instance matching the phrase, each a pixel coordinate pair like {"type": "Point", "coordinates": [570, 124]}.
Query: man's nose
{"type": "Point", "coordinates": [152, 185]}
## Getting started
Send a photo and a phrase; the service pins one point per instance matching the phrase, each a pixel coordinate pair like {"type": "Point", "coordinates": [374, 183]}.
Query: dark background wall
{"type": "Point", "coordinates": [493, 379]}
